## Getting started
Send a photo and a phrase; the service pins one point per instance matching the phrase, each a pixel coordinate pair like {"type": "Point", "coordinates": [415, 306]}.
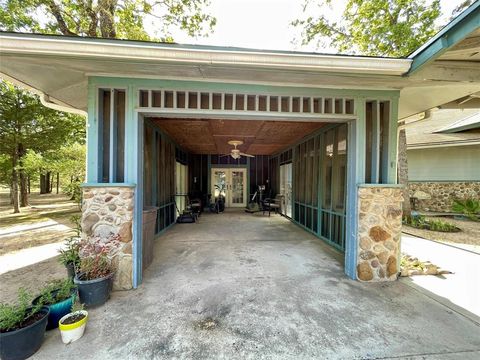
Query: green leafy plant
{"type": "Point", "coordinates": [420, 222]}
{"type": "Point", "coordinates": [13, 315]}
{"type": "Point", "coordinates": [77, 306]}
{"type": "Point", "coordinates": [57, 291]}
{"type": "Point", "coordinates": [70, 253]}
{"type": "Point", "coordinates": [468, 207]}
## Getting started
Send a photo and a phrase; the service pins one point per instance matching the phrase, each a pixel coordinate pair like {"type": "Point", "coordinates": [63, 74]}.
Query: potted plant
{"type": "Point", "coordinates": [58, 296]}
{"type": "Point", "coordinates": [72, 326]}
{"type": "Point", "coordinates": [69, 255]}
{"type": "Point", "coordinates": [22, 328]}
{"type": "Point", "coordinates": [94, 276]}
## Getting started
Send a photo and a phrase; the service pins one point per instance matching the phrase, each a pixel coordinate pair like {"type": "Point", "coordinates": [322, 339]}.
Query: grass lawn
{"type": "Point", "coordinates": [45, 221]}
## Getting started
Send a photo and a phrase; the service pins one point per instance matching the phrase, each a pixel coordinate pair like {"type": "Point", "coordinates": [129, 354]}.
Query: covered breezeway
{"type": "Point", "coordinates": [237, 286]}
{"type": "Point", "coordinates": [306, 146]}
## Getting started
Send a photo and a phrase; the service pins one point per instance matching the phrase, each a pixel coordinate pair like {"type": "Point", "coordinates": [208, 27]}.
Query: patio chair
{"type": "Point", "coordinates": [274, 204]}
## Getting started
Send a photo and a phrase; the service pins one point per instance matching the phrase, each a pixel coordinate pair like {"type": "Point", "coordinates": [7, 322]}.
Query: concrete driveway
{"type": "Point", "coordinates": [461, 288]}
{"type": "Point", "coordinates": [241, 286]}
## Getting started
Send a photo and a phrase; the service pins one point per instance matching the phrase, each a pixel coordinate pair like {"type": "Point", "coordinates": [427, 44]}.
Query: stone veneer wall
{"type": "Point", "coordinates": [108, 210]}
{"type": "Point", "coordinates": [443, 193]}
{"type": "Point", "coordinates": [379, 231]}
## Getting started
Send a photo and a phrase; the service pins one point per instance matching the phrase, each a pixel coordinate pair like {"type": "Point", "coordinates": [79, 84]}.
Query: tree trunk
{"type": "Point", "coordinates": [23, 189]}
{"type": "Point", "coordinates": [45, 183]}
{"type": "Point", "coordinates": [50, 178]}
{"type": "Point", "coordinates": [23, 178]}
{"type": "Point", "coordinates": [11, 193]}
{"type": "Point", "coordinates": [16, 208]}
{"type": "Point", "coordinates": [403, 171]}
{"type": "Point", "coordinates": [58, 181]}
{"type": "Point", "coordinates": [28, 184]}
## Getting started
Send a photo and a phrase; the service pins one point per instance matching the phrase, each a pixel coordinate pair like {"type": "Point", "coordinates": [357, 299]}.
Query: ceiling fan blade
{"type": "Point", "coordinates": [224, 155]}
{"type": "Point", "coordinates": [247, 155]}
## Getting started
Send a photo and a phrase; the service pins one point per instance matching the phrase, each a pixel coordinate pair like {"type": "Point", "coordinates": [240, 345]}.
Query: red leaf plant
{"type": "Point", "coordinates": [96, 256]}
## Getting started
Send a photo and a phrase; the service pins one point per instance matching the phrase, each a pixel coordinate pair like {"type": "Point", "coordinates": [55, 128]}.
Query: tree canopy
{"type": "Point", "coordinates": [125, 19]}
{"type": "Point", "coordinates": [371, 27]}
{"type": "Point", "coordinates": [33, 139]}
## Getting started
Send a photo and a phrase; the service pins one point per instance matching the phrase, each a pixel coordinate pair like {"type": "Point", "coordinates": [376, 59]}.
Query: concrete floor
{"type": "Point", "coordinates": [241, 286]}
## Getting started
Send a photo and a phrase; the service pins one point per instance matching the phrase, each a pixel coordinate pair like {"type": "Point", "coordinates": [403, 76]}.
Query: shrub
{"type": "Point", "coordinates": [71, 252]}
{"type": "Point", "coordinates": [469, 207]}
{"type": "Point", "coordinates": [12, 316]}
{"type": "Point", "coordinates": [56, 291]}
{"type": "Point", "coordinates": [419, 222]}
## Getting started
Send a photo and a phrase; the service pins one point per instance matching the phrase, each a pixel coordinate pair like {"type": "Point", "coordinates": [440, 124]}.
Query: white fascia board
{"type": "Point", "coordinates": [114, 49]}
{"type": "Point", "coordinates": [445, 144]}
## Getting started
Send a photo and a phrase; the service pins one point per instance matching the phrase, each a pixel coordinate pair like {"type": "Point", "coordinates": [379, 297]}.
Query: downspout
{"type": "Point", "coordinates": [45, 100]}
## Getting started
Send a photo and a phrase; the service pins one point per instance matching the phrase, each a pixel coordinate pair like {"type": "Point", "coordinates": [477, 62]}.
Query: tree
{"type": "Point", "coordinates": [25, 124]}
{"type": "Point", "coordinates": [377, 28]}
{"type": "Point", "coordinates": [125, 19]}
{"type": "Point", "coordinates": [460, 8]}
{"type": "Point", "coordinates": [373, 27]}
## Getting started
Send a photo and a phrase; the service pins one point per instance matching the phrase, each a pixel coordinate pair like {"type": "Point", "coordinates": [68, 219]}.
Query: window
{"type": "Point", "coordinates": [111, 130]}
{"type": "Point", "coordinates": [377, 124]}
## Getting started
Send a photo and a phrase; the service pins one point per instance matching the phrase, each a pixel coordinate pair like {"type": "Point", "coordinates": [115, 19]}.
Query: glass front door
{"type": "Point", "coordinates": [231, 184]}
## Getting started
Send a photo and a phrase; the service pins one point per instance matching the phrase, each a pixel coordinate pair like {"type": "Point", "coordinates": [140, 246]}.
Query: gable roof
{"type": "Point", "coordinates": [469, 123]}
{"type": "Point", "coordinates": [57, 67]}
{"type": "Point", "coordinates": [430, 132]}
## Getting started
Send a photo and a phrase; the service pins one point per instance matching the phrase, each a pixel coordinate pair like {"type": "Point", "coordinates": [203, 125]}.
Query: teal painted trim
{"type": "Point", "coordinates": [161, 232]}
{"type": "Point", "coordinates": [355, 175]}
{"type": "Point", "coordinates": [133, 173]}
{"type": "Point", "coordinates": [152, 84]}
{"type": "Point", "coordinates": [100, 185]}
{"type": "Point", "coordinates": [92, 135]}
{"type": "Point", "coordinates": [324, 239]}
{"type": "Point", "coordinates": [463, 25]}
{"type": "Point", "coordinates": [393, 142]}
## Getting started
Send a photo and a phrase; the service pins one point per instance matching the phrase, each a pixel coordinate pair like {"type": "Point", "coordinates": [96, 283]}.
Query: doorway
{"type": "Point", "coordinates": [231, 184]}
{"type": "Point", "coordinates": [286, 189]}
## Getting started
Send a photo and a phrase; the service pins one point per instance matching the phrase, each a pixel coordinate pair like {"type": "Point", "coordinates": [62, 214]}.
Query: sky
{"type": "Point", "coordinates": [265, 24]}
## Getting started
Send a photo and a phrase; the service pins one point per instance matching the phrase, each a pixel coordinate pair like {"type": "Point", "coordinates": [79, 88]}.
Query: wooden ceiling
{"type": "Point", "coordinates": [202, 136]}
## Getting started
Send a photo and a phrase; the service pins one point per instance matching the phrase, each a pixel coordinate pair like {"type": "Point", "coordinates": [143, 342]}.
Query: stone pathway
{"type": "Point", "coordinates": [462, 288]}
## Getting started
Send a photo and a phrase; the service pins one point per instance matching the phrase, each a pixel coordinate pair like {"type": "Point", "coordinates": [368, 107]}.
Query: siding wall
{"type": "Point", "coordinates": [456, 163]}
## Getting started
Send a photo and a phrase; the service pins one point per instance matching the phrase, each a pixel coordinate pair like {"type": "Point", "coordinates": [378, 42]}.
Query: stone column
{"type": "Point", "coordinates": [109, 209]}
{"type": "Point", "coordinates": [379, 232]}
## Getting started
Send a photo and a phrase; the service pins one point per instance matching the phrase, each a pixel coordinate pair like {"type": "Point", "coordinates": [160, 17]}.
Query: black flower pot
{"type": "Point", "coordinates": [23, 343]}
{"type": "Point", "coordinates": [94, 292]}
{"type": "Point", "coordinates": [70, 270]}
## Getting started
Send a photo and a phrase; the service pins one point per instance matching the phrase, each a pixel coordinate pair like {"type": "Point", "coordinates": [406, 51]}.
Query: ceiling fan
{"type": "Point", "coordinates": [236, 153]}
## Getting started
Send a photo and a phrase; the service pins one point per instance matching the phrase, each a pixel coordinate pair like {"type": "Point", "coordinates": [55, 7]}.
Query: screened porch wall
{"type": "Point", "coordinates": [319, 182]}
{"type": "Point", "coordinates": [160, 157]}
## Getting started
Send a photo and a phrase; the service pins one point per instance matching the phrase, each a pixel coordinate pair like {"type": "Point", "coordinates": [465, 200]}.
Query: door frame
{"type": "Point", "coordinates": [228, 171]}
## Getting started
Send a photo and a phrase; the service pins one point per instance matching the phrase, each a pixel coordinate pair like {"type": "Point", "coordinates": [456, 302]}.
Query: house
{"type": "Point", "coordinates": [160, 116]}
{"type": "Point", "coordinates": [444, 157]}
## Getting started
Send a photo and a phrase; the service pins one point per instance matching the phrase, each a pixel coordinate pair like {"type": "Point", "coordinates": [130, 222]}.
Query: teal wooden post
{"type": "Point", "coordinates": [393, 142]}
{"type": "Point", "coordinates": [356, 175]}
{"type": "Point", "coordinates": [133, 174]}
{"type": "Point", "coordinates": [92, 135]}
